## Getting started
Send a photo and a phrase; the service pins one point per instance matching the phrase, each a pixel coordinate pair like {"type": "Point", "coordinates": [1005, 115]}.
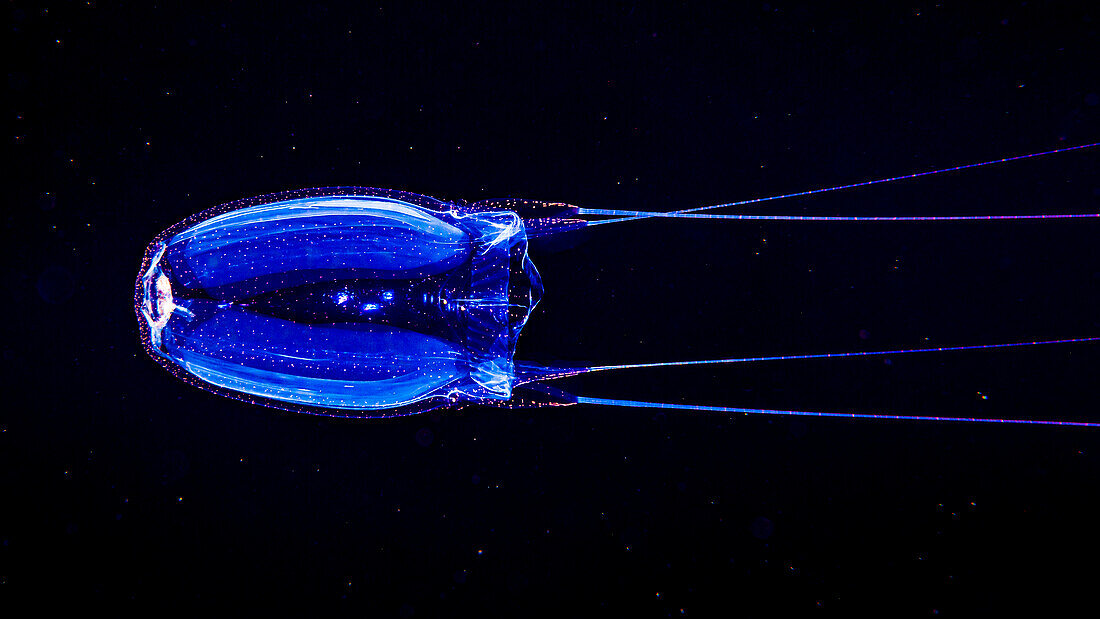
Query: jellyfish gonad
{"type": "Point", "coordinates": [368, 303]}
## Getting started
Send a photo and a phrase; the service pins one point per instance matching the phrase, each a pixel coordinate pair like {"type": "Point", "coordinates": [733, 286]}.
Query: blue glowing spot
{"type": "Point", "coordinates": [341, 298]}
{"type": "Point", "coordinates": [387, 295]}
{"type": "Point", "coordinates": [368, 307]}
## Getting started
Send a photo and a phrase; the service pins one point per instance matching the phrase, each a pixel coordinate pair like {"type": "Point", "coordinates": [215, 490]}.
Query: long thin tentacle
{"type": "Point", "coordinates": [628, 215]}
{"type": "Point", "coordinates": [793, 413]}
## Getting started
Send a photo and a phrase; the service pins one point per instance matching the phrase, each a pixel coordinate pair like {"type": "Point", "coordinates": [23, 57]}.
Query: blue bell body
{"type": "Point", "coordinates": [353, 302]}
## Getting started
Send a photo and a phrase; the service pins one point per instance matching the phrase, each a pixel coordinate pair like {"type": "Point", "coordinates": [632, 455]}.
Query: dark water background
{"type": "Point", "coordinates": [129, 489]}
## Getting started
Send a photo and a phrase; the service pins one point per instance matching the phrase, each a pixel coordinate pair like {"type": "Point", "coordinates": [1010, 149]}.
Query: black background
{"type": "Point", "coordinates": [129, 489]}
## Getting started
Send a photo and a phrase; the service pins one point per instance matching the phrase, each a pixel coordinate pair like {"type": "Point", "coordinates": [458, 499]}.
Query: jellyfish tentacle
{"type": "Point", "coordinates": [544, 374]}
{"type": "Point", "coordinates": [694, 213]}
{"type": "Point", "coordinates": [845, 415]}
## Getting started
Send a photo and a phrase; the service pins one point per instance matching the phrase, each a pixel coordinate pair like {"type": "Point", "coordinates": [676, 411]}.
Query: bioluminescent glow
{"type": "Point", "coordinates": [367, 303]}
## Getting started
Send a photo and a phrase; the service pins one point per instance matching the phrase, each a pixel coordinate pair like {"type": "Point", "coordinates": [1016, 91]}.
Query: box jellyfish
{"type": "Point", "coordinates": [361, 302]}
